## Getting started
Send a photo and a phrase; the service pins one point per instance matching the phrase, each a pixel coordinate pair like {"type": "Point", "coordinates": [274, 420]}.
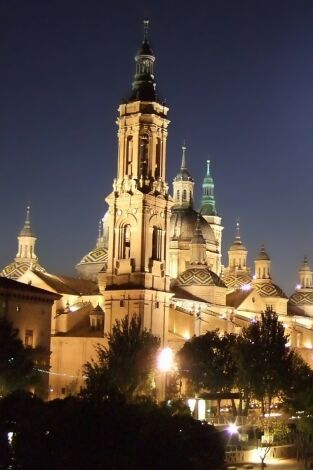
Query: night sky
{"type": "Point", "coordinates": [237, 76]}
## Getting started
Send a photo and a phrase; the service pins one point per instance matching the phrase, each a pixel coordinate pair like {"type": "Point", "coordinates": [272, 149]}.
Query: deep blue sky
{"type": "Point", "coordinates": [237, 76]}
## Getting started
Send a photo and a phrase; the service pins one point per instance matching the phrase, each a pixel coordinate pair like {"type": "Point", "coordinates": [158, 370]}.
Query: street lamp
{"type": "Point", "coordinates": [165, 360]}
{"type": "Point", "coordinates": [165, 364]}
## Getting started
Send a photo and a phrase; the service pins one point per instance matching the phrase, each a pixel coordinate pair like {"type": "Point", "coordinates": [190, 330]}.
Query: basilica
{"type": "Point", "coordinates": [156, 255]}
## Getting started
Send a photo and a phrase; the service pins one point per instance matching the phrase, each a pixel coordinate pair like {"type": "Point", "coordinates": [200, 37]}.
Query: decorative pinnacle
{"type": "Point", "coordinates": [27, 220]}
{"type": "Point", "coordinates": [198, 237]}
{"type": "Point", "coordinates": [183, 160]}
{"type": "Point", "coordinates": [198, 228]}
{"type": "Point", "coordinates": [26, 230]}
{"type": "Point", "coordinates": [100, 229]}
{"type": "Point", "coordinates": [208, 167]}
{"type": "Point", "coordinates": [238, 229]}
{"type": "Point", "coordinates": [145, 30]}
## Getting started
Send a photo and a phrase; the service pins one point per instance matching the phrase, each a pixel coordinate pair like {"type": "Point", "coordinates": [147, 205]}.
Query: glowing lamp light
{"type": "Point", "coordinates": [298, 286]}
{"type": "Point", "coordinates": [246, 287]}
{"type": "Point", "coordinates": [232, 429]}
{"type": "Point", "coordinates": [186, 335]}
{"type": "Point", "coordinates": [192, 404]}
{"type": "Point", "coordinates": [10, 437]}
{"type": "Point", "coordinates": [166, 360]}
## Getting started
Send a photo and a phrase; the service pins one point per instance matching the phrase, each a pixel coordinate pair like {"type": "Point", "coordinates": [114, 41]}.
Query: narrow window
{"type": "Point", "coordinates": [156, 243]}
{"type": "Point", "coordinates": [29, 338]}
{"type": "Point", "coordinates": [158, 159]}
{"type": "Point", "coordinates": [129, 156]}
{"type": "Point", "coordinates": [144, 153]}
{"type": "Point", "coordinates": [124, 242]}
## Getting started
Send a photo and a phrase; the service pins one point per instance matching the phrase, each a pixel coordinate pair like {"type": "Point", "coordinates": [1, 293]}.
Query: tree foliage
{"type": "Point", "coordinates": [258, 362]}
{"type": "Point", "coordinates": [264, 359]}
{"type": "Point", "coordinates": [16, 365]}
{"type": "Point", "coordinates": [124, 367]}
{"type": "Point", "coordinates": [207, 361]}
{"type": "Point", "coordinates": [85, 433]}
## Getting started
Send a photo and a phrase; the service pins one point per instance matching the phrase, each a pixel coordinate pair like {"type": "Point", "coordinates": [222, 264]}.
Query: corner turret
{"type": "Point", "coordinates": [183, 184]}
{"type": "Point", "coordinates": [25, 258]}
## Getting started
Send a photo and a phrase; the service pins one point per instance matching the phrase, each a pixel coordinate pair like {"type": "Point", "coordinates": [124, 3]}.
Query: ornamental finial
{"type": "Point", "coordinates": [208, 167]}
{"type": "Point", "coordinates": [183, 160]}
{"type": "Point", "coordinates": [238, 229]}
{"type": "Point", "coordinates": [145, 30]}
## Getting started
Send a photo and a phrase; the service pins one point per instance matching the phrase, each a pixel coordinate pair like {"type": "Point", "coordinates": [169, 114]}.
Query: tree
{"type": "Point", "coordinates": [16, 365]}
{"type": "Point", "coordinates": [124, 367]}
{"type": "Point", "coordinates": [207, 361]}
{"type": "Point", "coordinates": [300, 402]}
{"type": "Point", "coordinates": [263, 359]}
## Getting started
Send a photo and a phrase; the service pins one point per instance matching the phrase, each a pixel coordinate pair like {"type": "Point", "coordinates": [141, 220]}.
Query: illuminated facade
{"type": "Point", "coordinates": [156, 255]}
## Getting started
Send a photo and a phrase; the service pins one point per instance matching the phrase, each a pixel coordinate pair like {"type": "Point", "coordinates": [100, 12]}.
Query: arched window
{"type": "Point", "coordinates": [178, 194]}
{"type": "Point", "coordinates": [184, 195]}
{"type": "Point", "coordinates": [156, 243]}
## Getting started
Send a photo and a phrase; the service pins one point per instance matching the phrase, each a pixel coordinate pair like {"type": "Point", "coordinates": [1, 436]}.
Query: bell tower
{"type": "Point", "coordinates": [136, 279]}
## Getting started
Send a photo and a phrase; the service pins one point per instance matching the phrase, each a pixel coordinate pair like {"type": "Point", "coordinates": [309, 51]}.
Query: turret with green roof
{"type": "Point", "coordinates": [208, 201]}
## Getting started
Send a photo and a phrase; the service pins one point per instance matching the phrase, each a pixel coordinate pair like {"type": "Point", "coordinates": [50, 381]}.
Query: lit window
{"type": "Point", "coordinates": [29, 338]}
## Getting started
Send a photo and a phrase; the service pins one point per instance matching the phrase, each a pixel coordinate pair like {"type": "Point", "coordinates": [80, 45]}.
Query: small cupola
{"type": "Point", "coordinates": [96, 318]}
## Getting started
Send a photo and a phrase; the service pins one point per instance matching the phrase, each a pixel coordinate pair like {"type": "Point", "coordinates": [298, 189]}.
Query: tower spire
{"type": "Point", "coordinates": [27, 230]}
{"type": "Point", "coordinates": [145, 31]}
{"type": "Point", "coordinates": [143, 87]}
{"type": "Point", "coordinates": [183, 165]}
{"type": "Point", "coordinates": [305, 274]}
{"type": "Point", "coordinates": [26, 240]}
{"type": "Point", "coordinates": [183, 183]}
{"type": "Point", "coordinates": [100, 229]}
{"type": "Point", "coordinates": [100, 241]}
{"type": "Point", "coordinates": [208, 200]}
{"type": "Point", "coordinates": [237, 240]}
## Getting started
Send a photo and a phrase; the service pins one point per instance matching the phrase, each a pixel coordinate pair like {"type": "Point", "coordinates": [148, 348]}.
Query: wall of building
{"type": "Point", "coordinates": [69, 354]}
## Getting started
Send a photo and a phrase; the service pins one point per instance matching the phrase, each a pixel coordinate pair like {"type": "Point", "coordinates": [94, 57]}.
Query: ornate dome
{"type": "Point", "coordinates": [305, 265]}
{"type": "Point", "coordinates": [183, 224]}
{"type": "Point", "coordinates": [92, 263]}
{"type": "Point", "coordinates": [268, 289]}
{"type": "Point", "coordinates": [301, 298]}
{"type": "Point", "coordinates": [98, 255]}
{"type": "Point", "coordinates": [262, 255]}
{"type": "Point", "coordinates": [236, 246]}
{"type": "Point", "coordinates": [17, 269]}
{"type": "Point", "coordinates": [199, 277]}
{"type": "Point", "coordinates": [235, 281]}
